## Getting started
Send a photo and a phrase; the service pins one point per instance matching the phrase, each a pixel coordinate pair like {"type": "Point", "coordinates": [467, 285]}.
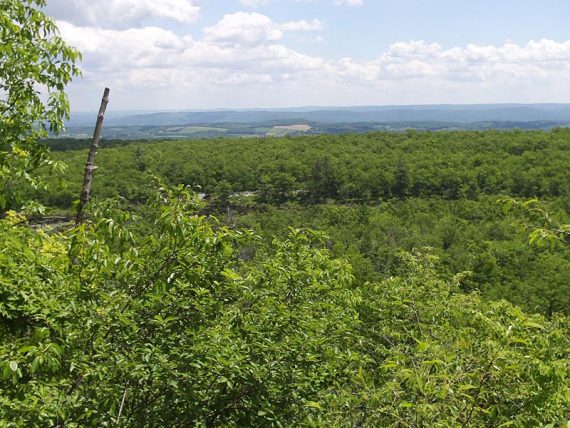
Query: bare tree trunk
{"type": "Point", "coordinates": [90, 165]}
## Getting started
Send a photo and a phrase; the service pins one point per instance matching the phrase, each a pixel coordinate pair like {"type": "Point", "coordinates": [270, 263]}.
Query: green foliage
{"type": "Point", "coordinates": [35, 66]}
{"type": "Point", "coordinates": [173, 319]}
{"type": "Point", "coordinates": [345, 168]}
{"type": "Point", "coordinates": [443, 358]}
{"type": "Point", "coordinates": [472, 236]}
{"type": "Point", "coordinates": [543, 226]}
{"type": "Point", "coordinates": [168, 318]}
{"type": "Point", "coordinates": [158, 315]}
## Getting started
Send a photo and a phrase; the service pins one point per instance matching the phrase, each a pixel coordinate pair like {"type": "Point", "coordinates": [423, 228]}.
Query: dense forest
{"type": "Point", "coordinates": [345, 168]}
{"type": "Point", "coordinates": [332, 280]}
{"type": "Point", "coordinates": [374, 195]}
{"type": "Point", "coordinates": [386, 279]}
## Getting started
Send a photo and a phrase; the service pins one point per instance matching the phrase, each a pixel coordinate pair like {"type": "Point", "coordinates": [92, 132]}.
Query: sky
{"type": "Point", "coordinates": [210, 54]}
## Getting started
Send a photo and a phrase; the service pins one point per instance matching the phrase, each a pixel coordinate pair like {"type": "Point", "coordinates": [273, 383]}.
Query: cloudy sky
{"type": "Point", "coordinates": [204, 54]}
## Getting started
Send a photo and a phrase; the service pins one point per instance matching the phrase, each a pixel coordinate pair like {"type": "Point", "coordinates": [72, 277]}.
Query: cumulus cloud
{"type": "Point", "coordinates": [153, 56]}
{"type": "Point", "coordinates": [121, 13]}
{"type": "Point", "coordinates": [247, 54]}
{"type": "Point", "coordinates": [250, 28]}
{"type": "Point", "coordinates": [243, 28]}
{"type": "Point", "coordinates": [107, 50]}
{"type": "Point", "coordinates": [302, 25]}
{"type": "Point", "coordinates": [250, 43]}
{"type": "Point", "coordinates": [535, 60]}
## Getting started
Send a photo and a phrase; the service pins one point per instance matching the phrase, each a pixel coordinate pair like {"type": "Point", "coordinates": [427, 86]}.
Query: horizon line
{"type": "Point", "coordinates": [327, 107]}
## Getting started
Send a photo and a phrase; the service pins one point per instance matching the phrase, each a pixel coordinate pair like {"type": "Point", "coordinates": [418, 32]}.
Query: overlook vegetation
{"type": "Point", "coordinates": [169, 309]}
{"type": "Point", "coordinates": [170, 318]}
{"type": "Point", "coordinates": [357, 280]}
{"type": "Point", "coordinates": [373, 194]}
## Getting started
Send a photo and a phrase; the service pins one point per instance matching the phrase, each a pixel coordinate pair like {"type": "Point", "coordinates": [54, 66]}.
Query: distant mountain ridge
{"type": "Point", "coordinates": [460, 114]}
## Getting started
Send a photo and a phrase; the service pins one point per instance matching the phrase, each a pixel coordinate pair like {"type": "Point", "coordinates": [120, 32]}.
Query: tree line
{"type": "Point", "coordinates": [451, 165]}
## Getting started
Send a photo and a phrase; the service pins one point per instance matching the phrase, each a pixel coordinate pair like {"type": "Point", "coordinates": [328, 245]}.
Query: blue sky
{"type": "Point", "coordinates": [177, 54]}
{"type": "Point", "coordinates": [362, 31]}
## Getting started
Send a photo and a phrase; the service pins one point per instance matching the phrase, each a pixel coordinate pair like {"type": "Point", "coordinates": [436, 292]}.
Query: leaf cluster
{"type": "Point", "coordinates": [35, 66]}
{"type": "Point", "coordinates": [159, 318]}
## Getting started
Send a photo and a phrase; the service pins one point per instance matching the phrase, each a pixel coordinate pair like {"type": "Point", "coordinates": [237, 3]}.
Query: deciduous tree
{"type": "Point", "coordinates": [35, 66]}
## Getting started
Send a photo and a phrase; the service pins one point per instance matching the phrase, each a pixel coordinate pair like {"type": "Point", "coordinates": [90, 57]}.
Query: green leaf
{"type": "Point", "coordinates": [35, 365]}
{"type": "Point", "coordinates": [313, 404]}
{"type": "Point", "coordinates": [231, 275]}
{"type": "Point", "coordinates": [533, 325]}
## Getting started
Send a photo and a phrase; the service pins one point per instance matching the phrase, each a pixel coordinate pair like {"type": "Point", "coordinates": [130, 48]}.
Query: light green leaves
{"type": "Point", "coordinates": [163, 304]}
{"type": "Point", "coordinates": [35, 67]}
{"type": "Point", "coordinates": [314, 405]}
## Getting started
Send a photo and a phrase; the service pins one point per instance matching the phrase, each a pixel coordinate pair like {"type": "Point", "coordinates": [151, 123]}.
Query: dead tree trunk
{"type": "Point", "coordinates": [90, 165]}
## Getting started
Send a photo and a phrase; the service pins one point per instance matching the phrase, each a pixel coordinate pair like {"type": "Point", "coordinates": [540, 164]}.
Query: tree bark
{"type": "Point", "coordinates": [90, 165]}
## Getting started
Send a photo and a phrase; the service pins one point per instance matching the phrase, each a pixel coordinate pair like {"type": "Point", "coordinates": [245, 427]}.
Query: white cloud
{"type": "Point", "coordinates": [536, 60]}
{"type": "Point", "coordinates": [251, 28]}
{"type": "Point", "coordinates": [254, 3]}
{"type": "Point", "coordinates": [349, 2]}
{"type": "Point", "coordinates": [243, 28]}
{"type": "Point", "coordinates": [244, 60]}
{"type": "Point", "coordinates": [107, 50]}
{"type": "Point", "coordinates": [156, 57]}
{"type": "Point", "coordinates": [302, 25]}
{"type": "Point", "coordinates": [121, 13]}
